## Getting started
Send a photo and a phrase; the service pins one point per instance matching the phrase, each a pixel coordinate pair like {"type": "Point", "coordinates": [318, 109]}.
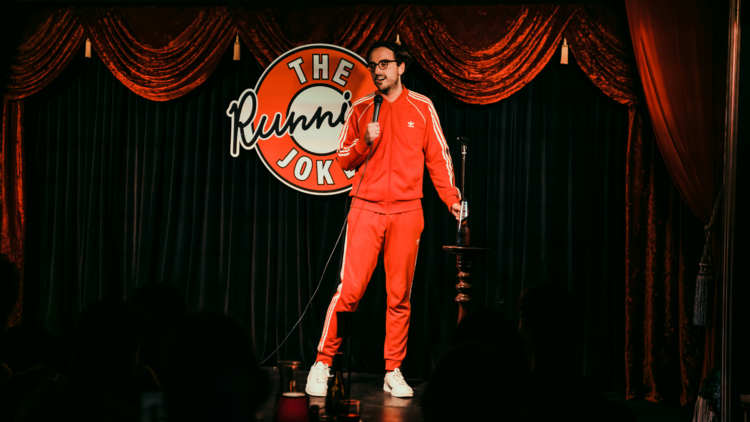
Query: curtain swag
{"type": "Point", "coordinates": [160, 61]}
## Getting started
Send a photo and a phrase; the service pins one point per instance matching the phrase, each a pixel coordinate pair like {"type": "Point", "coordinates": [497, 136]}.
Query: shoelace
{"type": "Point", "coordinates": [398, 378]}
{"type": "Point", "coordinates": [322, 373]}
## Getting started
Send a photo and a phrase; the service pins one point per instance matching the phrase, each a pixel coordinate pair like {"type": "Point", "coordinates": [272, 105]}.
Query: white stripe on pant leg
{"type": "Point", "coordinates": [413, 272]}
{"type": "Point", "coordinates": [343, 261]}
{"type": "Point", "coordinates": [335, 297]}
{"type": "Point", "coordinates": [331, 307]}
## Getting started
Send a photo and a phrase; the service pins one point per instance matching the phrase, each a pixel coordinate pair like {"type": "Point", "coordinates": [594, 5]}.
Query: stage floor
{"type": "Point", "coordinates": [376, 404]}
{"type": "Point", "coordinates": [379, 406]}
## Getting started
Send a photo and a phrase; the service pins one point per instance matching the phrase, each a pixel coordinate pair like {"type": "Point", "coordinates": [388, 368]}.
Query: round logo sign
{"type": "Point", "coordinates": [293, 117]}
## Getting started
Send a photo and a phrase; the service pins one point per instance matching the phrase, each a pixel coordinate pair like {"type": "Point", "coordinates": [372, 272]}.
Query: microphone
{"type": "Point", "coordinates": [376, 110]}
{"type": "Point", "coordinates": [464, 141]}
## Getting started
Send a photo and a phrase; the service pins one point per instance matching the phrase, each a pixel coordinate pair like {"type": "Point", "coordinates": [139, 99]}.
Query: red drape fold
{"type": "Point", "coordinates": [674, 49]}
{"type": "Point", "coordinates": [662, 347]}
{"type": "Point", "coordinates": [673, 43]}
{"type": "Point", "coordinates": [12, 198]}
{"type": "Point", "coordinates": [601, 52]}
{"type": "Point", "coordinates": [45, 53]}
{"type": "Point", "coordinates": [160, 73]}
{"type": "Point", "coordinates": [48, 47]}
{"type": "Point", "coordinates": [269, 32]}
{"type": "Point", "coordinates": [483, 54]}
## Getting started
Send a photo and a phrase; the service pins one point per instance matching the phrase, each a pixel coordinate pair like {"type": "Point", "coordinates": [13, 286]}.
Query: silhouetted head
{"type": "Point", "coordinates": [210, 371]}
{"type": "Point", "coordinates": [471, 382]}
{"type": "Point", "coordinates": [494, 330]}
{"type": "Point", "coordinates": [107, 339]}
{"type": "Point", "coordinates": [165, 307]}
{"type": "Point", "coordinates": [164, 304]}
{"type": "Point", "coordinates": [482, 375]}
{"type": "Point", "coordinates": [551, 326]}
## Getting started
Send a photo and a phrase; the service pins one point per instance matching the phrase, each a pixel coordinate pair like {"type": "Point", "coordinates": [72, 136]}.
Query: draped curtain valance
{"type": "Point", "coordinates": [480, 54]}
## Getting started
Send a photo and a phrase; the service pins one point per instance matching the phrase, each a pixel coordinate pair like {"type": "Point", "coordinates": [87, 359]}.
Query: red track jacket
{"type": "Point", "coordinates": [410, 137]}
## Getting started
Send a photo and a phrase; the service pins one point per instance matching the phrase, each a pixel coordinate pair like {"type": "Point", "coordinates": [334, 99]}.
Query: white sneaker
{"type": "Point", "coordinates": [396, 385]}
{"type": "Point", "coordinates": [317, 380]}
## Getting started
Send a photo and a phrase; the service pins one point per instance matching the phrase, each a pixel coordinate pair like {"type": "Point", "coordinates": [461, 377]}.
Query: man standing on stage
{"type": "Point", "coordinates": [387, 208]}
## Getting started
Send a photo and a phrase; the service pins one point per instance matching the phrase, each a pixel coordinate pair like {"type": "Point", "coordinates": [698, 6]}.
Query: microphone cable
{"type": "Point", "coordinates": [372, 147]}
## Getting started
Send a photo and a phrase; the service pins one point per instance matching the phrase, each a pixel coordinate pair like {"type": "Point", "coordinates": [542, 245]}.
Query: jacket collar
{"type": "Point", "coordinates": [401, 97]}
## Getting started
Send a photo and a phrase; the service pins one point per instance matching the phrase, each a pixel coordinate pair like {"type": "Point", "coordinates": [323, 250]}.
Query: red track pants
{"type": "Point", "coordinates": [366, 234]}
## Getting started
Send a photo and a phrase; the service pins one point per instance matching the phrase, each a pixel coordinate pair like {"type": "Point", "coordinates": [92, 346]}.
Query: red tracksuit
{"type": "Point", "coordinates": [387, 210]}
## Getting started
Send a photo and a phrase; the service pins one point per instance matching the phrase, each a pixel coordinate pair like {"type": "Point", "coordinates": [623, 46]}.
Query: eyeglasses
{"type": "Point", "coordinates": [383, 65]}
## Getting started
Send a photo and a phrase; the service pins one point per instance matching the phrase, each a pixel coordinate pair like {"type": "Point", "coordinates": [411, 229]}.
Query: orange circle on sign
{"type": "Point", "coordinates": [305, 95]}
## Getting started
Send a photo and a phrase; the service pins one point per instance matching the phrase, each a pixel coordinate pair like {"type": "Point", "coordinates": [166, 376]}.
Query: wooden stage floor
{"type": "Point", "coordinates": [376, 404]}
{"type": "Point", "coordinates": [379, 406]}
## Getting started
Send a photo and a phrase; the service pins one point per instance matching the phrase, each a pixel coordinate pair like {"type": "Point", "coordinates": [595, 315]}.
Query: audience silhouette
{"type": "Point", "coordinates": [493, 371]}
{"type": "Point", "coordinates": [210, 373]}
{"type": "Point", "coordinates": [206, 361]}
{"type": "Point", "coordinates": [551, 325]}
{"type": "Point", "coordinates": [33, 359]}
{"type": "Point", "coordinates": [204, 366]}
{"type": "Point", "coordinates": [481, 375]}
{"type": "Point", "coordinates": [165, 307]}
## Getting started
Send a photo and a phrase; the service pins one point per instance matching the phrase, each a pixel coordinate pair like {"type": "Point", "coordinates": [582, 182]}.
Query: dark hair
{"type": "Point", "coordinates": [400, 53]}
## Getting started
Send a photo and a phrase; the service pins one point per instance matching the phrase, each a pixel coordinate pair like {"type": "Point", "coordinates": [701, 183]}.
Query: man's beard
{"type": "Point", "coordinates": [389, 86]}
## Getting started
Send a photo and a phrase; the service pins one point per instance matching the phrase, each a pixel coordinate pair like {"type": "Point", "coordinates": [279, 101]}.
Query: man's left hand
{"type": "Point", "coordinates": [456, 210]}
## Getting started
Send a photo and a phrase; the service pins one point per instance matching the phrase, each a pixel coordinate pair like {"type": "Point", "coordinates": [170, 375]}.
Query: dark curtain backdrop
{"type": "Point", "coordinates": [125, 191]}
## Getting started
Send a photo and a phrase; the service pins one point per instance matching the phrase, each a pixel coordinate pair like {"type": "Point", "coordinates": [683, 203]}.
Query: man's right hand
{"type": "Point", "coordinates": [373, 131]}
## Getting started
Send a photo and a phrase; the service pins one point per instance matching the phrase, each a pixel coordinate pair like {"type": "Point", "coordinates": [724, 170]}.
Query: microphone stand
{"type": "Point", "coordinates": [463, 166]}
{"type": "Point", "coordinates": [464, 253]}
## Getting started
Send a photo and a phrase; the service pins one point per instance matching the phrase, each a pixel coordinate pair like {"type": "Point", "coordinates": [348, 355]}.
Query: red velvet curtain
{"type": "Point", "coordinates": [159, 72]}
{"type": "Point", "coordinates": [481, 54]}
{"type": "Point", "coordinates": [269, 32]}
{"type": "Point", "coordinates": [662, 346]}
{"type": "Point", "coordinates": [673, 43]}
{"type": "Point", "coordinates": [457, 44]}
{"type": "Point", "coordinates": [48, 47]}
{"type": "Point", "coordinates": [675, 52]}
{"type": "Point", "coordinates": [663, 349]}
{"type": "Point", "coordinates": [12, 199]}
{"type": "Point", "coordinates": [600, 48]}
